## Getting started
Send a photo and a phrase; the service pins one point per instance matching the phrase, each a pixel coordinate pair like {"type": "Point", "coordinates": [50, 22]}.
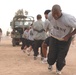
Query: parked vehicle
{"type": "Point", "coordinates": [18, 24]}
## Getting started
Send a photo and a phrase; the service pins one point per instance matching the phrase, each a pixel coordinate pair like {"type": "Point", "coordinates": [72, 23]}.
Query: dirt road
{"type": "Point", "coordinates": [14, 62]}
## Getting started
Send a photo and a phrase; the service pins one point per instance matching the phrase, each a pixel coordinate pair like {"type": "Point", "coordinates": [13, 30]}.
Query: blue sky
{"type": "Point", "coordinates": [34, 7]}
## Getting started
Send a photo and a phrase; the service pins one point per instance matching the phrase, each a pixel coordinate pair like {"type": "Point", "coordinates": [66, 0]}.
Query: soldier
{"type": "Point", "coordinates": [24, 39]}
{"type": "Point", "coordinates": [30, 40]}
{"type": "Point", "coordinates": [60, 40]}
{"type": "Point", "coordinates": [45, 44]}
{"type": "Point", "coordinates": [39, 35]}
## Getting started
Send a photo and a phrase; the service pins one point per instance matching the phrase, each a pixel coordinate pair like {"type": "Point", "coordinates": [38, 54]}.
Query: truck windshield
{"type": "Point", "coordinates": [22, 23]}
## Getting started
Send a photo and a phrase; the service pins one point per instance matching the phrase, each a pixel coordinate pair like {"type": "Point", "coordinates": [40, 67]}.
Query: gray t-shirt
{"type": "Point", "coordinates": [38, 25]}
{"type": "Point", "coordinates": [47, 27]}
{"type": "Point", "coordinates": [31, 34]}
{"type": "Point", "coordinates": [26, 34]}
{"type": "Point", "coordinates": [62, 26]}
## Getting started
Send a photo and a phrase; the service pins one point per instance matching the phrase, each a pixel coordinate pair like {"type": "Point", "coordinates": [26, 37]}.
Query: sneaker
{"type": "Point", "coordinates": [58, 72]}
{"type": "Point", "coordinates": [35, 57]}
{"type": "Point", "coordinates": [50, 67]}
{"type": "Point", "coordinates": [44, 60]}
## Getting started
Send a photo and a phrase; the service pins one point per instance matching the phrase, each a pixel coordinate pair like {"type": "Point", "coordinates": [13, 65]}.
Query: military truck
{"type": "Point", "coordinates": [18, 24]}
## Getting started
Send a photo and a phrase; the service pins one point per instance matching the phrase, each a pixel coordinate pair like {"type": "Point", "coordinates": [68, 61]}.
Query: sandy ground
{"type": "Point", "coordinates": [14, 62]}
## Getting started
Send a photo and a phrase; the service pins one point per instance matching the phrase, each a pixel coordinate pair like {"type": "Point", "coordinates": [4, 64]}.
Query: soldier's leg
{"type": "Point", "coordinates": [53, 48]}
{"type": "Point", "coordinates": [45, 44]}
{"type": "Point", "coordinates": [63, 50]}
{"type": "Point", "coordinates": [44, 49]}
{"type": "Point", "coordinates": [35, 48]}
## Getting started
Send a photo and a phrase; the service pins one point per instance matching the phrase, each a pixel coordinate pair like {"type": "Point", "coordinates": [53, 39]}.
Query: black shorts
{"type": "Point", "coordinates": [25, 42]}
{"type": "Point", "coordinates": [30, 42]}
{"type": "Point", "coordinates": [47, 41]}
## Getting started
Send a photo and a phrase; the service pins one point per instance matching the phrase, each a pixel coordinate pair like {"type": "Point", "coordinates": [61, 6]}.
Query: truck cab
{"type": "Point", "coordinates": [18, 24]}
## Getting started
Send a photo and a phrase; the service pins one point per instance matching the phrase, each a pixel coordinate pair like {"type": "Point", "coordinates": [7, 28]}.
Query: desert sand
{"type": "Point", "coordinates": [14, 62]}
